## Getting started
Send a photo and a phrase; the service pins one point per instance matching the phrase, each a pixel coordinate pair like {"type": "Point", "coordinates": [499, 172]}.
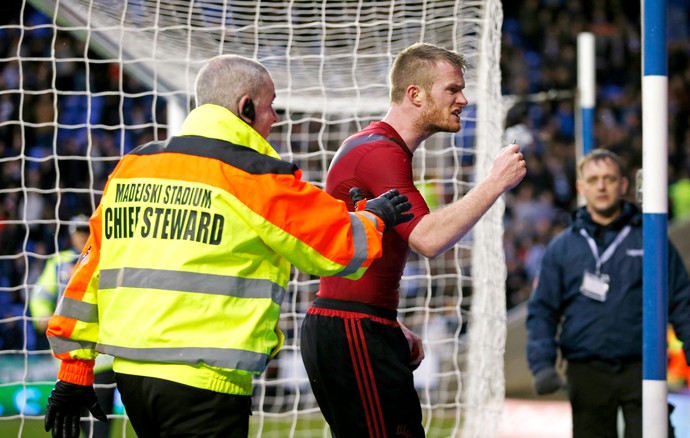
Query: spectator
{"type": "Point", "coordinates": [44, 298]}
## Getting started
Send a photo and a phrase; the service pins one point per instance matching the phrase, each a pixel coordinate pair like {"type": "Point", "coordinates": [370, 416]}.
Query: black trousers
{"type": "Point", "coordinates": [160, 408]}
{"type": "Point", "coordinates": [359, 371]}
{"type": "Point", "coordinates": [596, 392]}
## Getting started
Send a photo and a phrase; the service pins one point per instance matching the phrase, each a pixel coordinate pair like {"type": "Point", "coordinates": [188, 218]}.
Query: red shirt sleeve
{"type": "Point", "coordinates": [381, 166]}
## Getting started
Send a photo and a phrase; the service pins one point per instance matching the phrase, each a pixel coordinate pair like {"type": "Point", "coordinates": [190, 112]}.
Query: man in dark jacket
{"type": "Point", "coordinates": [588, 302]}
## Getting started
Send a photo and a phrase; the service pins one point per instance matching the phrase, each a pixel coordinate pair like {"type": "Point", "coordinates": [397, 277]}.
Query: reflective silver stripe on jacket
{"type": "Point", "coordinates": [359, 235]}
{"type": "Point", "coordinates": [191, 282]}
{"type": "Point", "coordinates": [76, 309]}
{"type": "Point", "coordinates": [62, 345]}
{"type": "Point", "coordinates": [228, 358]}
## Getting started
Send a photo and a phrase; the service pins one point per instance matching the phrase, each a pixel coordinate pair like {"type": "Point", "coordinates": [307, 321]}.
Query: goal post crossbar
{"type": "Point", "coordinates": [337, 65]}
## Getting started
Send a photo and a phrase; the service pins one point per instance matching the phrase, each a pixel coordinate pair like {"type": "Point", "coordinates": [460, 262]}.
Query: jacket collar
{"type": "Point", "coordinates": [214, 121]}
{"type": "Point", "coordinates": [630, 214]}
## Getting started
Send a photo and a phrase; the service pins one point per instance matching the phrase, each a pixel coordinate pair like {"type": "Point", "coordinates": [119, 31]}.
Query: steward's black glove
{"type": "Point", "coordinates": [547, 381]}
{"type": "Point", "coordinates": [389, 207]}
{"type": "Point", "coordinates": [64, 408]}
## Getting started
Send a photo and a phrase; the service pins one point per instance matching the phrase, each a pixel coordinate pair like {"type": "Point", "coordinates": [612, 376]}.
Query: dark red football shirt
{"type": "Point", "coordinates": [375, 160]}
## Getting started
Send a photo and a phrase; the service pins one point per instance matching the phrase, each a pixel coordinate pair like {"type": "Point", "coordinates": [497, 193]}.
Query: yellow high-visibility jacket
{"type": "Point", "coordinates": [189, 257]}
{"type": "Point", "coordinates": [51, 283]}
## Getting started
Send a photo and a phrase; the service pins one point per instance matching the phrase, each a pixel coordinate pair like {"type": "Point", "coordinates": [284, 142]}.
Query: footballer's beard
{"type": "Point", "coordinates": [436, 120]}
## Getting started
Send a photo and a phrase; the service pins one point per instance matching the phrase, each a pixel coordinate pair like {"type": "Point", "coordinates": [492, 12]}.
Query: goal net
{"type": "Point", "coordinates": [85, 81]}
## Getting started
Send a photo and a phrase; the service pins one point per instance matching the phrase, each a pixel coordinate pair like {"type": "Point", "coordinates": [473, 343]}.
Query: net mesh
{"type": "Point", "coordinates": [87, 80]}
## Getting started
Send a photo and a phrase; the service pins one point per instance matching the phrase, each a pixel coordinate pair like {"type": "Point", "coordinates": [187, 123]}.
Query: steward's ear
{"type": "Point", "coordinates": [246, 109]}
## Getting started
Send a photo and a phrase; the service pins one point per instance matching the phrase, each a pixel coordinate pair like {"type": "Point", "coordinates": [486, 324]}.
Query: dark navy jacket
{"type": "Point", "coordinates": [591, 330]}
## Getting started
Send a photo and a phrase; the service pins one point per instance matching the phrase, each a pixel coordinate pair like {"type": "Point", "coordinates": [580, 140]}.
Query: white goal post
{"type": "Point", "coordinates": [108, 74]}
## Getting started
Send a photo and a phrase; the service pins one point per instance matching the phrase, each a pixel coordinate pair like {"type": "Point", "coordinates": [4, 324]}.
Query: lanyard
{"type": "Point", "coordinates": [608, 253]}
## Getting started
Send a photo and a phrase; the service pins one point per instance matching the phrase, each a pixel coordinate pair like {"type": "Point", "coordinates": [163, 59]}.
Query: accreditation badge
{"type": "Point", "coordinates": [595, 286]}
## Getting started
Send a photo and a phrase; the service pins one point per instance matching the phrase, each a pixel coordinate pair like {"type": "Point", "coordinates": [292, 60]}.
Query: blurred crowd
{"type": "Point", "coordinates": [46, 187]}
{"type": "Point", "coordinates": [539, 71]}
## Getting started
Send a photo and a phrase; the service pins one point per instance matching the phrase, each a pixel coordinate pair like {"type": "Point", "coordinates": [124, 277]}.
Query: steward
{"type": "Point", "coordinates": [188, 260]}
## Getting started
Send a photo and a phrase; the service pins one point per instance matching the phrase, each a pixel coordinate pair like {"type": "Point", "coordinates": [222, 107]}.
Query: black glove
{"type": "Point", "coordinates": [64, 408]}
{"type": "Point", "coordinates": [548, 380]}
{"type": "Point", "coordinates": [389, 207]}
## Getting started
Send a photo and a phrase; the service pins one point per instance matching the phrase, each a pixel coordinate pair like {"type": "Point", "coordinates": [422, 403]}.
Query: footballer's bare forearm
{"type": "Point", "coordinates": [440, 230]}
